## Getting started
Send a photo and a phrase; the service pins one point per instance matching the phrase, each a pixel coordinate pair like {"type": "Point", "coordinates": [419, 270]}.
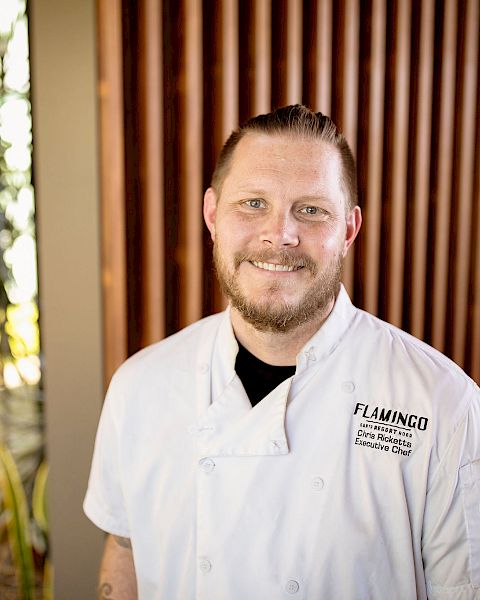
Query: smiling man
{"type": "Point", "coordinates": [292, 446]}
{"type": "Point", "coordinates": [281, 222]}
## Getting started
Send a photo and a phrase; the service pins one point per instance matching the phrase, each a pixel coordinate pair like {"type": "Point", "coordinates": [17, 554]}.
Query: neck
{"type": "Point", "coordinates": [277, 348]}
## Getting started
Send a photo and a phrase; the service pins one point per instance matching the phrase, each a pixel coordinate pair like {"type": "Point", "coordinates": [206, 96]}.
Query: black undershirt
{"type": "Point", "coordinates": [259, 378]}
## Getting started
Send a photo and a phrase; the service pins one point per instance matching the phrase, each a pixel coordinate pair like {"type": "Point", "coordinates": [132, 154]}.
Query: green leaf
{"type": "Point", "coordinates": [39, 499]}
{"type": "Point", "coordinates": [16, 506]}
{"type": "Point", "coordinates": [47, 581]}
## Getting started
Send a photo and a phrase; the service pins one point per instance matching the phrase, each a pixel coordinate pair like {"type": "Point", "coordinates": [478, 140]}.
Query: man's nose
{"type": "Point", "coordinates": [280, 231]}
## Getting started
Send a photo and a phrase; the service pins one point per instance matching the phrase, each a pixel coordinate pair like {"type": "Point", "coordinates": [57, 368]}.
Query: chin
{"type": "Point", "coordinates": [282, 291]}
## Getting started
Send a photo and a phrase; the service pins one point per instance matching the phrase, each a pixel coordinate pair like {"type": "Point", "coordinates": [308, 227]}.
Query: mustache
{"type": "Point", "coordinates": [284, 258]}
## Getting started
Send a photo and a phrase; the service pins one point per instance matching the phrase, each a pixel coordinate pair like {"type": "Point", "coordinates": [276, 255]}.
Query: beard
{"type": "Point", "coordinates": [266, 314]}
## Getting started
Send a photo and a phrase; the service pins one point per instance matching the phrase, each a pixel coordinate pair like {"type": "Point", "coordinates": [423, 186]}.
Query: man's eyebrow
{"type": "Point", "coordinates": [314, 199]}
{"type": "Point", "coordinates": [262, 193]}
{"type": "Point", "coordinates": [254, 192]}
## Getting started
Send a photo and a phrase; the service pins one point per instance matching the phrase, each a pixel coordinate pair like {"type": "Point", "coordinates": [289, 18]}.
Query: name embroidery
{"type": "Point", "coordinates": [386, 429]}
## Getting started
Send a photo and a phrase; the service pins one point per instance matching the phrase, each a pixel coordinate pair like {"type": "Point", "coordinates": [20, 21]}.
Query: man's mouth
{"type": "Point", "coordinates": [273, 267]}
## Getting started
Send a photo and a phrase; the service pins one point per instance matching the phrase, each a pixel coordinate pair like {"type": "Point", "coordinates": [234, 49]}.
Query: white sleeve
{"type": "Point", "coordinates": [451, 533]}
{"type": "Point", "coordinates": [104, 500]}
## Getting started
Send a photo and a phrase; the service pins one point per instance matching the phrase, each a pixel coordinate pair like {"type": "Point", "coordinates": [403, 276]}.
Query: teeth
{"type": "Point", "coordinates": [272, 267]}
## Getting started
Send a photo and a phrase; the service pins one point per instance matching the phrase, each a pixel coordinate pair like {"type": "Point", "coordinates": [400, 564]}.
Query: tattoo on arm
{"type": "Point", "coordinates": [104, 592]}
{"type": "Point", "coordinates": [123, 542]}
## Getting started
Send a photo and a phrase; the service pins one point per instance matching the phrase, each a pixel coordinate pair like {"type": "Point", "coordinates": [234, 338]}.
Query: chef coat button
{"type": "Point", "coordinates": [204, 565]}
{"type": "Point", "coordinates": [292, 586]}
{"type": "Point", "coordinates": [204, 367]}
{"type": "Point", "coordinates": [317, 484]}
{"type": "Point", "coordinates": [348, 386]}
{"type": "Point", "coordinates": [207, 465]}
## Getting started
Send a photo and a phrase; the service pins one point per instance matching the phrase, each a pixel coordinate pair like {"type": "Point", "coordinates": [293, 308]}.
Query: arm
{"type": "Point", "coordinates": [117, 572]}
{"type": "Point", "coordinates": [451, 520]}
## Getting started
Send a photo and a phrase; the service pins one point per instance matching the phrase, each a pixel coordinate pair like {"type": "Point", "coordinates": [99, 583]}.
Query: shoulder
{"type": "Point", "coordinates": [175, 354]}
{"type": "Point", "coordinates": [403, 346]}
{"type": "Point", "coordinates": [404, 362]}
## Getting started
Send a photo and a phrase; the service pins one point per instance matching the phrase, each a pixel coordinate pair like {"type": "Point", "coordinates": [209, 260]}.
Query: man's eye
{"type": "Point", "coordinates": [310, 210]}
{"type": "Point", "coordinates": [254, 203]}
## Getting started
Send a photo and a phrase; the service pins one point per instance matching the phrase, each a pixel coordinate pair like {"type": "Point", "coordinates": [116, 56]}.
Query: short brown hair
{"type": "Point", "coordinates": [296, 120]}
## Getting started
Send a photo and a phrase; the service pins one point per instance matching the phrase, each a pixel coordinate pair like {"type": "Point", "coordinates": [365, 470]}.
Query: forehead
{"type": "Point", "coordinates": [310, 165]}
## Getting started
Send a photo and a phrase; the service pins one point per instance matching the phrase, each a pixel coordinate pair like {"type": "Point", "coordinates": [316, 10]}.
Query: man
{"type": "Point", "coordinates": [292, 446]}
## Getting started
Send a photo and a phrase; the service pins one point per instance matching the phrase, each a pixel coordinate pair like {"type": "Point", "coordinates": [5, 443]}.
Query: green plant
{"type": "Point", "coordinates": [40, 514]}
{"type": "Point", "coordinates": [18, 523]}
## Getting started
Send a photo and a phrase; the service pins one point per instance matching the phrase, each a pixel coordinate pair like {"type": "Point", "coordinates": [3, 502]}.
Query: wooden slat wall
{"type": "Point", "coordinates": [263, 56]}
{"type": "Point", "coordinates": [441, 183]}
{"type": "Point", "coordinates": [371, 143]}
{"type": "Point", "coordinates": [463, 178]}
{"type": "Point", "coordinates": [114, 266]}
{"type": "Point", "coordinates": [400, 78]}
{"type": "Point", "coordinates": [321, 59]}
{"type": "Point", "coordinates": [419, 180]}
{"type": "Point", "coordinates": [345, 89]}
{"type": "Point", "coordinates": [151, 169]}
{"type": "Point", "coordinates": [395, 161]}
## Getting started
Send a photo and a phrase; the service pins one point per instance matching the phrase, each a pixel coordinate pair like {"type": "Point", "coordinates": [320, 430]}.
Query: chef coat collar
{"type": "Point", "coordinates": [330, 334]}
{"type": "Point", "coordinates": [318, 347]}
{"type": "Point", "coordinates": [229, 426]}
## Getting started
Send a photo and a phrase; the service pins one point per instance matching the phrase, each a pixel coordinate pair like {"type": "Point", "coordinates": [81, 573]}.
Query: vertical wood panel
{"type": "Point", "coordinates": [323, 92]}
{"type": "Point", "coordinates": [474, 321]}
{"type": "Point", "coordinates": [262, 32]}
{"type": "Point", "coordinates": [443, 182]}
{"type": "Point", "coordinates": [229, 67]}
{"type": "Point", "coordinates": [347, 96]}
{"type": "Point", "coordinates": [421, 170]}
{"type": "Point", "coordinates": [190, 248]}
{"type": "Point", "coordinates": [464, 180]}
{"type": "Point", "coordinates": [398, 164]}
{"type": "Point", "coordinates": [279, 49]}
{"type": "Point", "coordinates": [374, 152]}
{"type": "Point", "coordinates": [294, 52]}
{"type": "Point", "coordinates": [151, 170]}
{"type": "Point", "coordinates": [112, 184]}
{"type": "Point", "coordinates": [228, 111]}
{"type": "Point", "coordinates": [349, 110]}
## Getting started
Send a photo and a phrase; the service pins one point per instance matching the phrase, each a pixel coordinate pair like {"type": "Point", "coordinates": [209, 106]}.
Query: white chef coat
{"type": "Point", "coordinates": [357, 478]}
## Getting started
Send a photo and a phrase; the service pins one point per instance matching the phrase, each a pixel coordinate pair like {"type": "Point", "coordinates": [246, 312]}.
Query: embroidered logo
{"type": "Point", "coordinates": [386, 429]}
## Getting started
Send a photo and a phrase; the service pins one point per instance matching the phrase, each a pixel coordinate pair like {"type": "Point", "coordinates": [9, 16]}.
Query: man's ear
{"type": "Point", "coordinates": [354, 222]}
{"type": "Point", "coordinates": [210, 210]}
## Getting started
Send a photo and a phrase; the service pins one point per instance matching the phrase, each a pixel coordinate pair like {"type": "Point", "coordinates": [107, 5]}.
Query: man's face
{"type": "Point", "coordinates": [281, 229]}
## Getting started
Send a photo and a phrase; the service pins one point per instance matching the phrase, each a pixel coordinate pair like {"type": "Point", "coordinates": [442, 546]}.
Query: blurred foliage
{"type": "Point", "coordinates": [22, 471]}
{"type": "Point", "coordinates": [17, 522]}
{"type": "Point", "coordinates": [16, 515]}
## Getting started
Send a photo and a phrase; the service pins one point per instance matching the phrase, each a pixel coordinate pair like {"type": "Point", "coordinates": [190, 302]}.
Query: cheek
{"type": "Point", "coordinates": [234, 234]}
{"type": "Point", "coordinates": [329, 241]}
{"type": "Point", "coordinates": [228, 243]}
{"type": "Point", "coordinates": [333, 245]}
{"type": "Point", "coordinates": [335, 238]}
